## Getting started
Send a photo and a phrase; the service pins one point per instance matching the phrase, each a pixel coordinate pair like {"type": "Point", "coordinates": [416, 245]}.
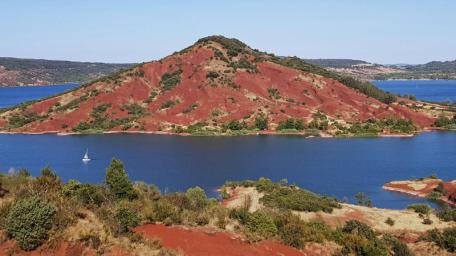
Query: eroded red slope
{"type": "Point", "coordinates": [236, 94]}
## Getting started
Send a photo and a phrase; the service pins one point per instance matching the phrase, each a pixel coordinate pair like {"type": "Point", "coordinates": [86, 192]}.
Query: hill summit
{"type": "Point", "coordinates": [218, 85]}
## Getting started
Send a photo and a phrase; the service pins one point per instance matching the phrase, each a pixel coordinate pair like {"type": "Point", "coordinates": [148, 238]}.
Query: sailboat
{"type": "Point", "coordinates": [86, 158]}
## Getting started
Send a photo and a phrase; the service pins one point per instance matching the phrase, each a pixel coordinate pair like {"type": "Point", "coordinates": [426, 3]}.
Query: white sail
{"type": "Point", "coordinates": [86, 156]}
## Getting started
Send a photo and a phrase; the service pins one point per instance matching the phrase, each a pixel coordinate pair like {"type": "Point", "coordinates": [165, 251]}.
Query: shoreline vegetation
{"type": "Point", "coordinates": [39, 212]}
{"type": "Point", "coordinates": [242, 133]}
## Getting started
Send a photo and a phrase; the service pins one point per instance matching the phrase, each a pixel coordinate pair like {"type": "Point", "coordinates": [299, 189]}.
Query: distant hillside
{"type": "Point", "coordinates": [219, 86]}
{"type": "Point", "coordinates": [14, 71]}
{"type": "Point", "coordinates": [369, 71]}
{"type": "Point", "coordinates": [335, 63]}
{"type": "Point", "coordinates": [435, 66]}
{"type": "Point", "coordinates": [359, 69]}
{"type": "Point", "coordinates": [431, 70]}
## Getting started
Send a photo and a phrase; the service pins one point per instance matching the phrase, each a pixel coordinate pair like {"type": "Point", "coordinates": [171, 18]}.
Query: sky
{"type": "Point", "coordinates": [386, 31]}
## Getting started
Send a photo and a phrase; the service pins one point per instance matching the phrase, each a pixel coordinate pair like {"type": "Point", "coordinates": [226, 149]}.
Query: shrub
{"type": "Point", "coordinates": [167, 104]}
{"type": "Point", "coordinates": [447, 213]}
{"type": "Point", "coordinates": [427, 221]}
{"type": "Point", "coordinates": [91, 239]}
{"type": "Point", "coordinates": [291, 123]}
{"type": "Point", "coordinates": [212, 74]}
{"type": "Point", "coordinates": [261, 225]}
{"type": "Point", "coordinates": [362, 199]}
{"type": "Point", "coordinates": [420, 208]}
{"type": "Point", "coordinates": [4, 210]}
{"type": "Point", "coordinates": [234, 125]}
{"type": "Point", "coordinates": [434, 196]}
{"type": "Point", "coordinates": [197, 198]}
{"type": "Point", "coordinates": [135, 109]}
{"type": "Point", "coordinates": [90, 194]}
{"type": "Point", "coordinates": [233, 46]}
{"type": "Point", "coordinates": [397, 247]}
{"type": "Point", "coordinates": [151, 97]}
{"type": "Point", "coordinates": [299, 200]}
{"type": "Point", "coordinates": [29, 221]}
{"type": "Point", "coordinates": [71, 188]}
{"type": "Point", "coordinates": [190, 108]}
{"type": "Point", "coordinates": [443, 121]}
{"type": "Point", "coordinates": [389, 221]}
{"type": "Point", "coordinates": [164, 210]}
{"type": "Point", "coordinates": [274, 93]}
{"type": "Point", "coordinates": [445, 239]}
{"type": "Point", "coordinates": [118, 182]}
{"type": "Point", "coordinates": [170, 80]}
{"type": "Point", "coordinates": [359, 228]}
{"type": "Point", "coordinates": [48, 183]}
{"type": "Point", "coordinates": [295, 232]}
{"type": "Point", "coordinates": [261, 123]}
{"type": "Point", "coordinates": [20, 119]}
{"type": "Point", "coordinates": [244, 64]}
{"type": "Point", "coordinates": [126, 218]}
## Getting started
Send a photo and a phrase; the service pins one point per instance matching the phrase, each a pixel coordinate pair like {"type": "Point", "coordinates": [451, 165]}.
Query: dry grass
{"type": "Point", "coordinates": [404, 220]}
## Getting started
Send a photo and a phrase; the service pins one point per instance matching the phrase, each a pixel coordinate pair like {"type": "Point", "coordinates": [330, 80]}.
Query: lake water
{"type": "Point", "coordinates": [10, 96]}
{"type": "Point", "coordinates": [430, 90]}
{"type": "Point", "coordinates": [337, 167]}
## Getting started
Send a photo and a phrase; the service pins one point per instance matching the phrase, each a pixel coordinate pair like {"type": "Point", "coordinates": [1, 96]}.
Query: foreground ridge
{"type": "Point", "coordinates": [260, 217]}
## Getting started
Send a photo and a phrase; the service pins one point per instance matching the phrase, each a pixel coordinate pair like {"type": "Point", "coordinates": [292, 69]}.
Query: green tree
{"type": "Point", "coordinates": [362, 199]}
{"type": "Point", "coordinates": [261, 123]}
{"type": "Point", "coordinates": [118, 182]}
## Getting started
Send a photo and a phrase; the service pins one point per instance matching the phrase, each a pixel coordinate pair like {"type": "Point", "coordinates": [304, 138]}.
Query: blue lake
{"type": "Point", "coordinates": [430, 90]}
{"type": "Point", "coordinates": [337, 167]}
{"type": "Point", "coordinates": [10, 96]}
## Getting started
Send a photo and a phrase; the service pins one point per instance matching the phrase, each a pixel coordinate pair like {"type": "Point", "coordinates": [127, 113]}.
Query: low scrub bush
{"type": "Point", "coordinates": [274, 93]}
{"type": "Point", "coordinates": [295, 232]}
{"type": "Point", "coordinates": [20, 119]}
{"type": "Point", "coordinates": [291, 123]}
{"type": "Point", "coordinates": [389, 221]}
{"type": "Point", "coordinates": [197, 198]}
{"type": "Point", "coordinates": [171, 80]}
{"type": "Point", "coordinates": [297, 199]}
{"type": "Point", "coordinates": [363, 200]}
{"type": "Point", "coordinates": [260, 226]}
{"type": "Point", "coordinates": [126, 218]}
{"type": "Point", "coordinates": [359, 228]}
{"type": "Point", "coordinates": [167, 104]}
{"type": "Point", "coordinates": [261, 123]}
{"type": "Point", "coordinates": [29, 221]}
{"type": "Point", "coordinates": [447, 213]}
{"type": "Point", "coordinates": [445, 239]}
{"type": "Point", "coordinates": [234, 125]}
{"type": "Point", "coordinates": [420, 208]}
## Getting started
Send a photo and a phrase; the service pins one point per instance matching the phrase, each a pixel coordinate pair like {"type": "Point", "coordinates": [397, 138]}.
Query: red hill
{"type": "Point", "coordinates": [214, 86]}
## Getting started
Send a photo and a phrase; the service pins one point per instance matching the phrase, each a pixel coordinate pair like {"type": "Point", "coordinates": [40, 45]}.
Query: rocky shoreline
{"type": "Point", "coordinates": [430, 187]}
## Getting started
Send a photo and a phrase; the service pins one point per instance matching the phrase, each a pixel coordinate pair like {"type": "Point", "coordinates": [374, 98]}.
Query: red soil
{"type": "Point", "coordinates": [302, 94]}
{"type": "Point", "coordinates": [199, 242]}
